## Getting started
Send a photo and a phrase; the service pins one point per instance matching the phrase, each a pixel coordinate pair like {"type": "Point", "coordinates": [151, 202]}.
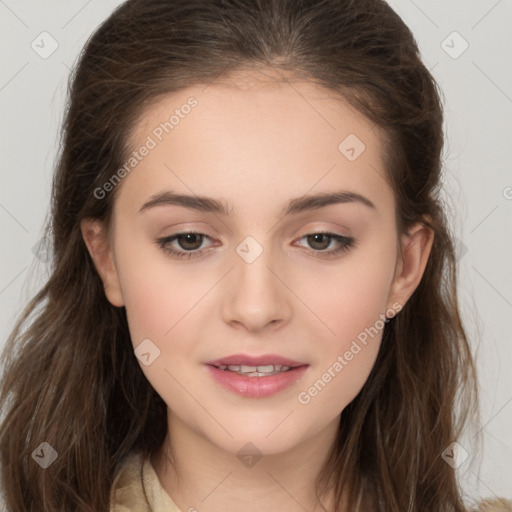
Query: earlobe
{"type": "Point", "coordinates": [416, 246]}
{"type": "Point", "coordinates": [96, 240]}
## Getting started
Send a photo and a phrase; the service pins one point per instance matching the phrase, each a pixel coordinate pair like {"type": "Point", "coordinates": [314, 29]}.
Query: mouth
{"type": "Point", "coordinates": [252, 366]}
{"type": "Point", "coordinates": [255, 371]}
{"type": "Point", "coordinates": [256, 380]}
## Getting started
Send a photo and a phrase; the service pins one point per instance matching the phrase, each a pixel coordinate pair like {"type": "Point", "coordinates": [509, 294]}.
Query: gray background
{"type": "Point", "coordinates": [477, 85]}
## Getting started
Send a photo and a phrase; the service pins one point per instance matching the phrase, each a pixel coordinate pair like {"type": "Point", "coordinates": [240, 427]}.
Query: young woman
{"type": "Point", "coordinates": [252, 303]}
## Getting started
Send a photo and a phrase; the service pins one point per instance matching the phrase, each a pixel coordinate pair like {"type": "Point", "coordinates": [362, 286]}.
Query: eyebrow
{"type": "Point", "coordinates": [297, 205]}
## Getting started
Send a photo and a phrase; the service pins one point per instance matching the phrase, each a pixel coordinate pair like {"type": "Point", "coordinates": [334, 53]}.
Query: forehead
{"type": "Point", "coordinates": [256, 132]}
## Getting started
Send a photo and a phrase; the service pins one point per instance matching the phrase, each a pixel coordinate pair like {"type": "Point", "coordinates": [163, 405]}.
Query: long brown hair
{"type": "Point", "coordinates": [70, 375]}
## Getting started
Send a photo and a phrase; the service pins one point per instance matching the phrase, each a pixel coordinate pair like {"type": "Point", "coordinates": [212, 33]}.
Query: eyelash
{"type": "Point", "coordinates": [346, 242]}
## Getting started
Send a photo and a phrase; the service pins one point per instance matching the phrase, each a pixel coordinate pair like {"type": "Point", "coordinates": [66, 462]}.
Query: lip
{"type": "Point", "coordinates": [257, 387]}
{"type": "Point", "coordinates": [263, 360]}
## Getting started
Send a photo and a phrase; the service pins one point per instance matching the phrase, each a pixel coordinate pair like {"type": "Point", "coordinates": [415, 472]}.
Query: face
{"type": "Point", "coordinates": [248, 271]}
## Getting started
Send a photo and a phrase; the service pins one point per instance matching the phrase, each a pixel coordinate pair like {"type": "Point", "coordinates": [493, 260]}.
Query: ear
{"type": "Point", "coordinates": [98, 244]}
{"type": "Point", "coordinates": [416, 245]}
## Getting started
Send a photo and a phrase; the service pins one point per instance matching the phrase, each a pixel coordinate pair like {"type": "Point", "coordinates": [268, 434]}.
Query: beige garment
{"type": "Point", "coordinates": [128, 492]}
{"type": "Point", "coordinates": [498, 505]}
{"type": "Point", "coordinates": [128, 495]}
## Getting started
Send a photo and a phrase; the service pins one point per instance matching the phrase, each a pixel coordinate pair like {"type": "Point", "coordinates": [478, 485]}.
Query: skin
{"type": "Point", "coordinates": [254, 143]}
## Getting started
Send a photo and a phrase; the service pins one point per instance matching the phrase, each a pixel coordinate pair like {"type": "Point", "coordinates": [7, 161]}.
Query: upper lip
{"type": "Point", "coordinates": [247, 360]}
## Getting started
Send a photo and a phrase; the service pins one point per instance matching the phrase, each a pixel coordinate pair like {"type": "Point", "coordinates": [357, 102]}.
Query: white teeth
{"type": "Point", "coordinates": [255, 371]}
{"type": "Point", "coordinates": [247, 369]}
{"type": "Point", "coordinates": [269, 368]}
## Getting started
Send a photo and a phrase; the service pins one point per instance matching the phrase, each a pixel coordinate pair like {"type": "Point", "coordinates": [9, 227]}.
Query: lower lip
{"type": "Point", "coordinates": [257, 387]}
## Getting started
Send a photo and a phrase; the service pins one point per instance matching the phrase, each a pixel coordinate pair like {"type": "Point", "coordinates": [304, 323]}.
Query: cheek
{"type": "Point", "coordinates": [164, 306]}
{"type": "Point", "coordinates": [159, 295]}
{"type": "Point", "coordinates": [169, 304]}
{"type": "Point", "coordinates": [352, 305]}
{"type": "Point", "coordinates": [350, 297]}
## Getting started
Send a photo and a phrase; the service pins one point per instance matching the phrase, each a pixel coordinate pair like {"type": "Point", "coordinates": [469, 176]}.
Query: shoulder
{"type": "Point", "coordinates": [127, 492]}
{"type": "Point", "coordinates": [136, 488]}
{"type": "Point", "coordinates": [497, 505]}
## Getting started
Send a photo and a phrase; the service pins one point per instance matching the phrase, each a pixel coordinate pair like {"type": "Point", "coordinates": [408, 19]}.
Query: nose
{"type": "Point", "coordinates": [256, 296]}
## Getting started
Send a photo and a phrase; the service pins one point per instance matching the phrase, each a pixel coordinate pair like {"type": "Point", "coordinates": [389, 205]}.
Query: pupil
{"type": "Point", "coordinates": [187, 237]}
{"type": "Point", "coordinates": [315, 239]}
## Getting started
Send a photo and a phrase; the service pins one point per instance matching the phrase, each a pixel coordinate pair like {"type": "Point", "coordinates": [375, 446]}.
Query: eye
{"type": "Point", "coordinates": [188, 241]}
{"type": "Point", "coordinates": [189, 244]}
{"type": "Point", "coordinates": [322, 240]}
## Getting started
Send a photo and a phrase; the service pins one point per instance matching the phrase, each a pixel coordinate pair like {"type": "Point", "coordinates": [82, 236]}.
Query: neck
{"type": "Point", "coordinates": [207, 478]}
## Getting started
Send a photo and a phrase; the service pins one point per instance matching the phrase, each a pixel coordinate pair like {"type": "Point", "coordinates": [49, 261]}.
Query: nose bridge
{"type": "Point", "coordinates": [258, 297]}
